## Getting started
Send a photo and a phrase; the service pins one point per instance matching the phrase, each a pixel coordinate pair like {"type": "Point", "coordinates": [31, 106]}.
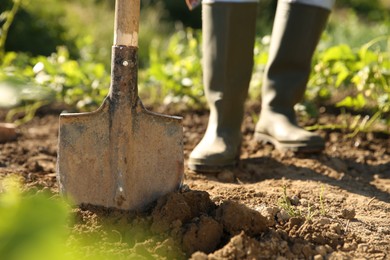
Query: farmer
{"type": "Point", "coordinates": [228, 42]}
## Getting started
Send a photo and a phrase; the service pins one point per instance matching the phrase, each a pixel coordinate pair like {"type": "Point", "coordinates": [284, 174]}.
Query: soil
{"type": "Point", "coordinates": [274, 205]}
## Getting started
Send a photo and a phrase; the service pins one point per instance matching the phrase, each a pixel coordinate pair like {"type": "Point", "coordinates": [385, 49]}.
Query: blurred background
{"type": "Point", "coordinates": [40, 26]}
{"type": "Point", "coordinates": [59, 51]}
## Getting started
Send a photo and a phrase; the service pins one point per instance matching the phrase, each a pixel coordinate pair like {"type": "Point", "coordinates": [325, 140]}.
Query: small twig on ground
{"type": "Point", "coordinates": [239, 181]}
{"type": "Point", "coordinates": [371, 200]}
{"type": "Point", "coordinates": [346, 226]}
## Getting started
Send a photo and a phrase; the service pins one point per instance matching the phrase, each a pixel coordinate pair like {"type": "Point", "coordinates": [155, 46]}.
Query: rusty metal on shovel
{"type": "Point", "coordinates": [121, 155]}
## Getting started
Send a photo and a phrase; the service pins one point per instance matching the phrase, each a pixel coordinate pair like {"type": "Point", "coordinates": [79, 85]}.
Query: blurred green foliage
{"type": "Point", "coordinates": [28, 83]}
{"type": "Point", "coordinates": [347, 27]}
{"type": "Point", "coordinates": [42, 25]}
{"type": "Point", "coordinates": [175, 72]}
{"type": "Point", "coordinates": [37, 26]}
{"type": "Point", "coordinates": [37, 225]}
{"type": "Point", "coordinates": [357, 79]}
{"type": "Point", "coordinates": [370, 10]}
{"type": "Point", "coordinates": [170, 56]}
{"type": "Point", "coordinates": [33, 226]}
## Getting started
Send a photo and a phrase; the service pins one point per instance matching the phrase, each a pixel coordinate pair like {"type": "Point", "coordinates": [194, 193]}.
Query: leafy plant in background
{"type": "Point", "coordinates": [260, 61]}
{"type": "Point", "coordinates": [362, 76]}
{"type": "Point", "coordinates": [29, 83]}
{"type": "Point", "coordinates": [38, 26]}
{"type": "Point", "coordinates": [175, 71]}
{"type": "Point", "coordinates": [171, 72]}
{"type": "Point", "coordinates": [346, 27]}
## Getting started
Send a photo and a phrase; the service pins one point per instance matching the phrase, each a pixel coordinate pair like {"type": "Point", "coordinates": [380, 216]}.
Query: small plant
{"type": "Point", "coordinates": [285, 203]}
{"type": "Point", "coordinates": [308, 213]}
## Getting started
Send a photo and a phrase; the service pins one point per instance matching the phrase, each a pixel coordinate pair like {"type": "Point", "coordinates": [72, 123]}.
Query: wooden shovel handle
{"type": "Point", "coordinates": [127, 14]}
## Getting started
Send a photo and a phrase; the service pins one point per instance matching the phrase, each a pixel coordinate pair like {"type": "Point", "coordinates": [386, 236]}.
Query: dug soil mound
{"type": "Point", "coordinates": [274, 205]}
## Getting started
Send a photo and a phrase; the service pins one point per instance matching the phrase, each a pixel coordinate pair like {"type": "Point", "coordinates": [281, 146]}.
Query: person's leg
{"type": "Point", "coordinates": [296, 31]}
{"type": "Point", "coordinates": [228, 42]}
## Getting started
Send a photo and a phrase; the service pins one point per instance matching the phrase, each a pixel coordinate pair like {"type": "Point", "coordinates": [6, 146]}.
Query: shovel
{"type": "Point", "coordinates": [121, 155]}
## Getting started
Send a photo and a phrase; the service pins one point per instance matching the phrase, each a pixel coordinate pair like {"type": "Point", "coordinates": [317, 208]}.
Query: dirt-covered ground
{"type": "Point", "coordinates": [333, 205]}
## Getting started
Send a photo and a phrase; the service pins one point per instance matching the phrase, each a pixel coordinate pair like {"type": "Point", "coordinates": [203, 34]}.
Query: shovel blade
{"type": "Point", "coordinates": [123, 159]}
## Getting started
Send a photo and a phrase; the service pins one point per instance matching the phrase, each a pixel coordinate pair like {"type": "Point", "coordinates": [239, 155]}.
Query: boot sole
{"type": "Point", "coordinates": [293, 146]}
{"type": "Point", "coordinates": [209, 168]}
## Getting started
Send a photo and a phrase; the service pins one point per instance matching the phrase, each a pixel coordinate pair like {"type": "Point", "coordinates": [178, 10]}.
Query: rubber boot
{"type": "Point", "coordinates": [228, 42]}
{"type": "Point", "coordinates": [296, 31]}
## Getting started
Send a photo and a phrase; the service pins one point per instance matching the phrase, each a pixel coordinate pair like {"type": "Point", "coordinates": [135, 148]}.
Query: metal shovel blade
{"type": "Point", "coordinates": [121, 155]}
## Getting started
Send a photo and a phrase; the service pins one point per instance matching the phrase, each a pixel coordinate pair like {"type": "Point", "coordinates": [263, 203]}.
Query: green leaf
{"type": "Point", "coordinates": [357, 102]}
{"type": "Point", "coordinates": [367, 56]}
{"type": "Point", "coordinates": [340, 52]}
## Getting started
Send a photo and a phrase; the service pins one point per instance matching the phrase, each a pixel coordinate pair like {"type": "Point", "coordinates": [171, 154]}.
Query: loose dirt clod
{"type": "Point", "coordinates": [176, 209]}
{"type": "Point", "coordinates": [202, 235]}
{"type": "Point", "coordinates": [171, 212]}
{"type": "Point", "coordinates": [240, 247]}
{"type": "Point", "coordinates": [348, 213]}
{"type": "Point", "coordinates": [226, 176]}
{"type": "Point", "coordinates": [236, 217]}
{"type": "Point", "coordinates": [7, 132]}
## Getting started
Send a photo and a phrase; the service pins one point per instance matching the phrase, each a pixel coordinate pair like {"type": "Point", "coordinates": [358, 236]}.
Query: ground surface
{"type": "Point", "coordinates": [332, 205]}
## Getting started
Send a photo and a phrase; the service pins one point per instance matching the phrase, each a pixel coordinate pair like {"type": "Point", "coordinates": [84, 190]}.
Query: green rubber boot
{"type": "Point", "coordinates": [296, 31]}
{"type": "Point", "coordinates": [228, 42]}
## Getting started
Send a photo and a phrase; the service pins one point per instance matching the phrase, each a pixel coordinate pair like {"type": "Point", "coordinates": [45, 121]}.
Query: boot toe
{"type": "Point", "coordinates": [210, 158]}
{"type": "Point", "coordinates": [210, 166]}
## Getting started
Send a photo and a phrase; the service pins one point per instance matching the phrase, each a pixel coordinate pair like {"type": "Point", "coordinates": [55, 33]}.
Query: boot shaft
{"type": "Point", "coordinates": [296, 31]}
{"type": "Point", "coordinates": [228, 43]}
